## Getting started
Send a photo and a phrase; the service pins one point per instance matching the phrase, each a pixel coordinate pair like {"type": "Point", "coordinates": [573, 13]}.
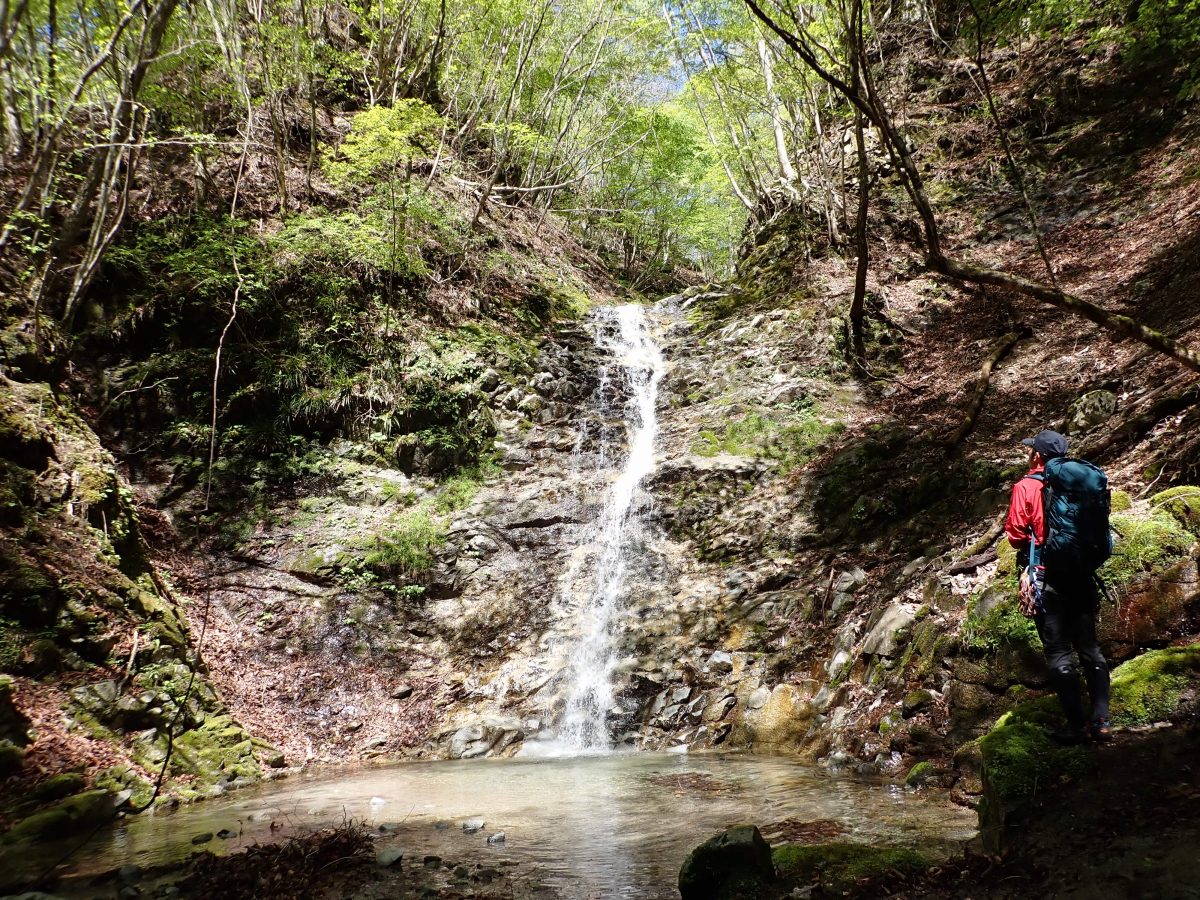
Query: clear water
{"type": "Point", "coordinates": [618, 825]}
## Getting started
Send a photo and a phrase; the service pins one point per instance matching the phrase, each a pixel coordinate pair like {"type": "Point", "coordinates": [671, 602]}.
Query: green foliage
{"type": "Point", "coordinates": [382, 140]}
{"type": "Point", "coordinates": [1145, 546]}
{"type": "Point", "coordinates": [457, 491]}
{"type": "Point", "coordinates": [1148, 688]}
{"type": "Point", "coordinates": [407, 546]}
{"type": "Point", "coordinates": [791, 440]}
{"type": "Point", "coordinates": [1003, 628]}
{"type": "Point", "coordinates": [1148, 31]}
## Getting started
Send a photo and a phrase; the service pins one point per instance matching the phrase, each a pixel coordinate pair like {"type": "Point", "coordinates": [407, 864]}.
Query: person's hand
{"type": "Point", "coordinates": [1028, 596]}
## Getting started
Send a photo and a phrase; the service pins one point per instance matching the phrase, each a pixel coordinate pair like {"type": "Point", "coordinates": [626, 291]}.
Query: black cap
{"type": "Point", "coordinates": [1049, 444]}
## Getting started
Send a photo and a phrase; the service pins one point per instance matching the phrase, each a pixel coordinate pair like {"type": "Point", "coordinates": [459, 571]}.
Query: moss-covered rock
{"type": "Point", "coordinates": [836, 868]}
{"type": "Point", "coordinates": [733, 865]}
{"type": "Point", "coordinates": [921, 773]}
{"type": "Point", "coordinates": [72, 815]}
{"type": "Point", "coordinates": [219, 747]}
{"type": "Point", "coordinates": [1149, 688]}
{"type": "Point", "coordinates": [1019, 759]}
{"type": "Point", "coordinates": [14, 727]}
{"type": "Point", "coordinates": [11, 757]}
{"type": "Point", "coordinates": [1145, 546]}
{"type": "Point", "coordinates": [1183, 504]}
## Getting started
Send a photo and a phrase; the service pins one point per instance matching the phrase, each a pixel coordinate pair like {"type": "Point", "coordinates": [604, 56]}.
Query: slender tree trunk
{"type": "Point", "coordinates": [868, 102]}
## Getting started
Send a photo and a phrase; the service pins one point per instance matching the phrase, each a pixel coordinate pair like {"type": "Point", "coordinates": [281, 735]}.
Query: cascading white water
{"type": "Point", "coordinates": [624, 334]}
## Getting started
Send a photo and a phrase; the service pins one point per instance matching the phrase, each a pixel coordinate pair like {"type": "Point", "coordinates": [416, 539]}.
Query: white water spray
{"type": "Point", "coordinates": [624, 333]}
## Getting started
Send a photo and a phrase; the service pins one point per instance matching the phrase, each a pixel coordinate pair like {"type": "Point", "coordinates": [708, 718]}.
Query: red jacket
{"type": "Point", "coordinates": [1025, 510]}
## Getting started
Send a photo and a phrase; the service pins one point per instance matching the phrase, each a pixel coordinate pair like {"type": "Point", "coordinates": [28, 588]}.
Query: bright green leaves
{"type": "Point", "coordinates": [383, 140]}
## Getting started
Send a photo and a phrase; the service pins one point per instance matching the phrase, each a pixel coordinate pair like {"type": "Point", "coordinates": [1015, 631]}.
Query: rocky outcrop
{"type": "Point", "coordinates": [82, 603]}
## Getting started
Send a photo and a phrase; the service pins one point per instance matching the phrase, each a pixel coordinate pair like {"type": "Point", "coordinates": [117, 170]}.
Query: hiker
{"type": "Point", "coordinates": [1057, 584]}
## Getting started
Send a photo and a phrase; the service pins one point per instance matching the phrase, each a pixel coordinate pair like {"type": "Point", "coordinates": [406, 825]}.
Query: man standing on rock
{"type": "Point", "coordinates": [1065, 611]}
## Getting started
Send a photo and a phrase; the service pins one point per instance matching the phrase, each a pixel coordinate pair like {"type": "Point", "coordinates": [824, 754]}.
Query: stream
{"type": "Point", "coordinates": [587, 826]}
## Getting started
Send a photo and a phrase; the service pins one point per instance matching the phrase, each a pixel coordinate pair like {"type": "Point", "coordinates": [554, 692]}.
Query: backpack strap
{"type": "Point", "coordinates": [1036, 476]}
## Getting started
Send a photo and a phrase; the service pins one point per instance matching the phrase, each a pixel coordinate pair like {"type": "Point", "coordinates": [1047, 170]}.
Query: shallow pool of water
{"type": "Point", "coordinates": [589, 826]}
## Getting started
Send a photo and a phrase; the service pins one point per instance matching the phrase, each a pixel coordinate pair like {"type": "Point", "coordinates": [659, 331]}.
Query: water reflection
{"type": "Point", "coordinates": [615, 826]}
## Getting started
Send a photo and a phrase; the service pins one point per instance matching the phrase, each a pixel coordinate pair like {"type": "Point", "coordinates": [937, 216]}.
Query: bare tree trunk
{"type": "Point", "coordinates": [869, 104]}
{"type": "Point", "coordinates": [786, 170]}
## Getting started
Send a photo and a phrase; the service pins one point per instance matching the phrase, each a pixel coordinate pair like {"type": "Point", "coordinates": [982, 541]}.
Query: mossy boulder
{"type": "Point", "coordinates": [71, 816]}
{"type": "Point", "coordinates": [836, 868]}
{"type": "Point", "coordinates": [1150, 688]}
{"type": "Point", "coordinates": [734, 865]}
{"type": "Point", "coordinates": [1153, 609]}
{"type": "Point", "coordinates": [916, 702]}
{"type": "Point", "coordinates": [220, 747]}
{"type": "Point", "coordinates": [1183, 504]}
{"type": "Point", "coordinates": [1019, 759]}
{"type": "Point", "coordinates": [920, 774]}
{"type": "Point", "coordinates": [1145, 546]}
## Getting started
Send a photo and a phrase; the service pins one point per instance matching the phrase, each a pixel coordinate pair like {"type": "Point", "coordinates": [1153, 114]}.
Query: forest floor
{"type": "Point", "coordinates": [1128, 829]}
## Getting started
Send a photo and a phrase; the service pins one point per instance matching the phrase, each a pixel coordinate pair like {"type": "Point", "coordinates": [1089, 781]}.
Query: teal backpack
{"type": "Point", "coordinates": [1075, 502]}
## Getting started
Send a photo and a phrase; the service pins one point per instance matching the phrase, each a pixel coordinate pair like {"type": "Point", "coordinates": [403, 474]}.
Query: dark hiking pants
{"type": "Point", "coordinates": [1067, 625]}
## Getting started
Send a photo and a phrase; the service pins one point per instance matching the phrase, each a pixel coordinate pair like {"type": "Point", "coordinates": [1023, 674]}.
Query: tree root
{"type": "Point", "coordinates": [999, 350]}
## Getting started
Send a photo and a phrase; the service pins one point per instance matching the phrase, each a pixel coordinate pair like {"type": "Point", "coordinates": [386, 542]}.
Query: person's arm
{"type": "Point", "coordinates": [1021, 515]}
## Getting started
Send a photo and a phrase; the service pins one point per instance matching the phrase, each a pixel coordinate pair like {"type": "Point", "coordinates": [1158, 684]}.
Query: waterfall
{"type": "Point", "coordinates": [636, 369]}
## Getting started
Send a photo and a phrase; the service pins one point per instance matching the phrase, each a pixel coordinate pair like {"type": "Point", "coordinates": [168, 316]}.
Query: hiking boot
{"type": "Point", "coordinates": [1069, 734]}
{"type": "Point", "coordinates": [1099, 731]}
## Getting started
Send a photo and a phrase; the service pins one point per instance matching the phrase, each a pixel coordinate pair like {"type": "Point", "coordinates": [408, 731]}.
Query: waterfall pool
{"type": "Point", "coordinates": [617, 825]}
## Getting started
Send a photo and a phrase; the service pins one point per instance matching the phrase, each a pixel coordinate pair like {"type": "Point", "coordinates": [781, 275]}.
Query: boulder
{"type": "Point", "coordinates": [884, 638]}
{"type": "Point", "coordinates": [1091, 409]}
{"type": "Point", "coordinates": [389, 857]}
{"type": "Point", "coordinates": [734, 864]}
{"type": "Point", "coordinates": [473, 826]}
{"type": "Point", "coordinates": [75, 814]}
{"type": "Point", "coordinates": [721, 662]}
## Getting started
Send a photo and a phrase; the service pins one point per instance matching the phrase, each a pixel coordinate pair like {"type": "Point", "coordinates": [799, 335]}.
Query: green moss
{"type": "Point", "coordinates": [920, 773]}
{"type": "Point", "coordinates": [11, 757]}
{"type": "Point", "coordinates": [1018, 760]}
{"type": "Point", "coordinates": [1183, 490]}
{"type": "Point", "coordinates": [218, 747]}
{"type": "Point", "coordinates": [1006, 559]}
{"type": "Point", "coordinates": [1120, 501]}
{"type": "Point", "coordinates": [121, 778]}
{"type": "Point", "coordinates": [1183, 504]}
{"type": "Point", "coordinates": [791, 439]}
{"type": "Point", "coordinates": [68, 817]}
{"type": "Point", "coordinates": [1145, 546]}
{"type": "Point", "coordinates": [1148, 688]}
{"type": "Point", "coordinates": [1004, 628]}
{"type": "Point", "coordinates": [839, 867]}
